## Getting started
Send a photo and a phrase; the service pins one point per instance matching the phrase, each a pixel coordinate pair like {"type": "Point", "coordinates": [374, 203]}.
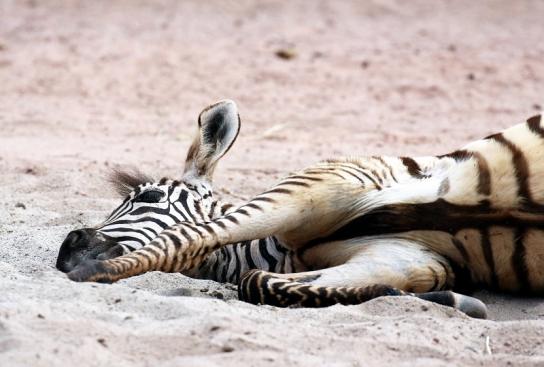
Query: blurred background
{"type": "Point", "coordinates": [90, 85]}
{"type": "Point", "coordinates": [86, 84]}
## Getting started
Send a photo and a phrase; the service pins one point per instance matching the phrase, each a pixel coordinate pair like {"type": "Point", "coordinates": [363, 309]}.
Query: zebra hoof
{"type": "Point", "coordinates": [471, 306]}
{"type": "Point", "coordinates": [90, 271]}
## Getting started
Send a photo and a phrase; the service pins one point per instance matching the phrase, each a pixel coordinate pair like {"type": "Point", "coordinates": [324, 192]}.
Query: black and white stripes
{"type": "Point", "coordinates": [135, 223]}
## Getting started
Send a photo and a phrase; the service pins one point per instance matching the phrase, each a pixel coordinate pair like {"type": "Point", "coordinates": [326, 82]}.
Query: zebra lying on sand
{"type": "Point", "coordinates": [342, 231]}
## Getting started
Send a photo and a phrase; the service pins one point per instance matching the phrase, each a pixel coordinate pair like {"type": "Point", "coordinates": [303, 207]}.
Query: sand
{"type": "Point", "coordinates": [90, 85]}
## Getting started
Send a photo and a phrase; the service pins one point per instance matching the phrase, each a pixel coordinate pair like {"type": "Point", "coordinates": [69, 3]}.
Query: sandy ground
{"type": "Point", "coordinates": [85, 86]}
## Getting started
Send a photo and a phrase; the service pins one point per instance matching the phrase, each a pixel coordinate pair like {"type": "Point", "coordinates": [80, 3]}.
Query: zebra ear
{"type": "Point", "coordinates": [218, 127]}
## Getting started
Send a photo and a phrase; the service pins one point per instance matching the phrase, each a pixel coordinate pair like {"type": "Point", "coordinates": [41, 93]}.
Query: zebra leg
{"type": "Point", "coordinates": [317, 209]}
{"type": "Point", "coordinates": [378, 268]}
{"type": "Point", "coordinates": [261, 287]}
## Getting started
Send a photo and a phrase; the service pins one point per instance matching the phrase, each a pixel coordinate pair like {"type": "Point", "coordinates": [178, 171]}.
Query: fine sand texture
{"type": "Point", "coordinates": [86, 86]}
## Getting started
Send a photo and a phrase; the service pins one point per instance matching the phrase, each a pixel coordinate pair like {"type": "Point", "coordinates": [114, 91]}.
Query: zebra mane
{"type": "Point", "coordinates": [124, 182]}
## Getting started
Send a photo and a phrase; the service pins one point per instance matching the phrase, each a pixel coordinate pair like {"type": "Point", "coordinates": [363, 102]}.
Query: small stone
{"type": "Point", "coordinates": [471, 76]}
{"type": "Point", "coordinates": [537, 107]}
{"type": "Point", "coordinates": [365, 64]}
{"type": "Point", "coordinates": [424, 308]}
{"type": "Point", "coordinates": [40, 316]}
{"type": "Point", "coordinates": [20, 205]}
{"type": "Point", "coordinates": [102, 342]}
{"type": "Point", "coordinates": [227, 349]}
{"type": "Point", "coordinates": [286, 54]}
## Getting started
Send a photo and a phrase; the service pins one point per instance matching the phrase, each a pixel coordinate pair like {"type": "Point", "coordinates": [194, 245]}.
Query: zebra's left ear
{"type": "Point", "coordinates": [218, 127]}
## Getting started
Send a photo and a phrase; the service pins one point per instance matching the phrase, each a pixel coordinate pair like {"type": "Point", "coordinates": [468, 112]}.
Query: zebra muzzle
{"type": "Point", "coordinates": [85, 244]}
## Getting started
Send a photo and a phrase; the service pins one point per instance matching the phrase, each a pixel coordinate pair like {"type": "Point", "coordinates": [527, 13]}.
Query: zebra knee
{"type": "Point", "coordinates": [249, 287]}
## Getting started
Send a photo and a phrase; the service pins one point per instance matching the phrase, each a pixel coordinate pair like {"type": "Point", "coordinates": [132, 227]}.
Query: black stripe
{"type": "Point", "coordinates": [519, 165]}
{"type": "Point", "coordinates": [250, 263]}
{"type": "Point", "coordinates": [361, 171]}
{"type": "Point", "coordinates": [306, 178]}
{"type": "Point", "coordinates": [412, 167]}
{"type": "Point", "coordinates": [484, 175]}
{"type": "Point", "coordinates": [263, 250]}
{"type": "Point", "coordinates": [243, 212]}
{"type": "Point", "coordinates": [534, 125]}
{"type": "Point", "coordinates": [132, 230]}
{"type": "Point", "coordinates": [322, 171]}
{"type": "Point", "coordinates": [150, 209]}
{"type": "Point", "coordinates": [232, 219]}
{"type": "Point", "coordinates": [175, 240]}
{"type": "Point", "coordinates": [120, 208]}
{"type": "Point", "coordinates": [128, 238]}
{"type": "Point", "coordinates": [462, 250]}
{"type": "Point", "coordinates": [351, 174]}
{"type": "Point", "coordinates": [225, 264]}
{"type": "Point", "coordinates": [214, 269]}
{"type": "Point", "coordinates": [278, 190]}
{"type": "Point", "coordinates": [488, 255]}
{"type": "Point", "coordinates": [458, 155]}
{"type": "Point", "coordinates": [183, 199]}
{"type": "Point", "coordinates": [254, 206]}
{"type": "Point", "coordinates": [238, 267]}
{"type": "Point", "coordinates": [179, 211]}
{"type": "Point", "coordinates": [518, 261]}
{"type": "Point", "coordinates": [225, 208]}
{"type": "Point", "coordinates": [208, 229]}
{"type": "Point", "coordinates": [212, 209]}
{"type": "Point", "coordinates": [147, 256]}
{"type": "Point", "coordinates": [198, 208]}
{"type": "Point", "coordinates": [259, 283]}
{"type": "Point", "coordinates": [263, 198]}
{"type": "Point", "coordinates": [438, 216]}
{"type": "Point", "coordinates": [296, 183]}
{"type": "Point", "coordinates": [387, 166]}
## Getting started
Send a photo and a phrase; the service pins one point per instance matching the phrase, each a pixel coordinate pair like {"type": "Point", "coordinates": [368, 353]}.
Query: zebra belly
{"type": "Point", "coordinates": [505, 258]}
{"type": "Point", "coordinates": [502, 258]}
{"type": "Point", "coordinates": [500, 249]}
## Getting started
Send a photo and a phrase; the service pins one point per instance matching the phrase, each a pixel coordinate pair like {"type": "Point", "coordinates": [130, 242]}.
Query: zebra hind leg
{"type": "Point", "coordinates": [261, 287]}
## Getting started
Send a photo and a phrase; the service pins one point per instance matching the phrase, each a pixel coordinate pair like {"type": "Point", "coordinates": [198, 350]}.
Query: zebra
{"type": "Point", "coordinates": [372, 226]}
{"type": "Point", "coordinates": [150, 206]}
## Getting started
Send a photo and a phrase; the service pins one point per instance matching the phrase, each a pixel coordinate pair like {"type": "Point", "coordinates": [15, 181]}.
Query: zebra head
{"type": "Point", "coordinates": [151, 206]}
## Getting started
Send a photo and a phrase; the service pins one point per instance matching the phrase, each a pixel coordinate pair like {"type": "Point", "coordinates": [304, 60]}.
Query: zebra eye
{"type": "Point", "coordinates": [150, 196]}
